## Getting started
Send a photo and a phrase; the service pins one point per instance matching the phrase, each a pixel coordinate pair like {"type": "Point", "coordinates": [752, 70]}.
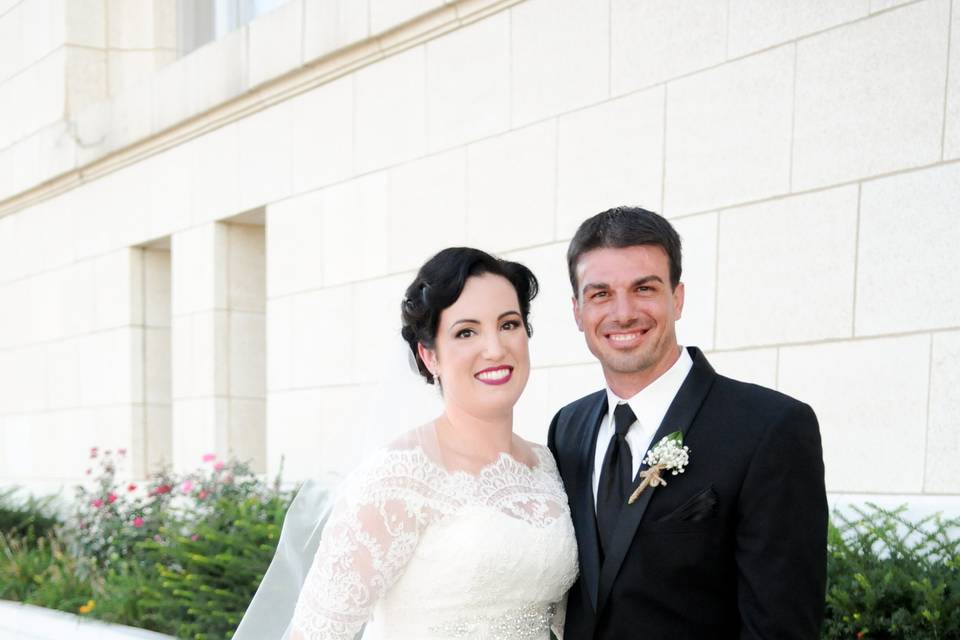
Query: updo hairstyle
{"type": "Point", "coordinates": [439, 284]}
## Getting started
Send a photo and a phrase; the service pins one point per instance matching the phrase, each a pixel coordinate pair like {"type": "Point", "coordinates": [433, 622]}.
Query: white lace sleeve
{"type": "Point", "coordinates": [371, 535]}
{"type": "Point", "coordinates": [559, 618]}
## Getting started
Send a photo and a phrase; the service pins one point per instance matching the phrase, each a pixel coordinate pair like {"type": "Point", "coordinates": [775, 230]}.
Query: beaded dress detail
{"type": "Point", "coordinates": [417, 551]}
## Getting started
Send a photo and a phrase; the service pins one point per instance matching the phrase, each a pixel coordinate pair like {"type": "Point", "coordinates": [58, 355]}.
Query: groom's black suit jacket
{"type": "Point", "coordinates": [735, 547]}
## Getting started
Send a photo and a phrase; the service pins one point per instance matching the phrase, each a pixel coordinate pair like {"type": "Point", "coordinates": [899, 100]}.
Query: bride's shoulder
{"type": "Point", "coordinates": [539, 454]}
{"type": "Point", "coordinates": [398, 467]}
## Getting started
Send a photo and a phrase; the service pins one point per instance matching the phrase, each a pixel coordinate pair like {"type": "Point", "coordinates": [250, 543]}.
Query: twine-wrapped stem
{"type": "Point", "coordinates": [651, 477]}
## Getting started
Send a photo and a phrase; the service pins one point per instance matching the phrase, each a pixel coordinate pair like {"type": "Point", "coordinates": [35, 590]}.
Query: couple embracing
{"type": "Point", "coordinates": [673, 503]}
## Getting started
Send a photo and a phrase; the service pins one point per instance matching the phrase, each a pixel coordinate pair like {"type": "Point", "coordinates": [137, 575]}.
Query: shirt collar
{"type": "Point", "coordinates": [651, 403]}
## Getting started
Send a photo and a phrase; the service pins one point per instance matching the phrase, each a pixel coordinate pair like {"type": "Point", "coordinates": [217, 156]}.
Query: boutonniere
{"type": "Point", "coordinates": [669, 454]}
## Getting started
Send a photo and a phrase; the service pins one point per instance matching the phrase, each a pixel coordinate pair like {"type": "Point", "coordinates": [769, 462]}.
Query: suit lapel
{"type": "Point", "coordinates": [679, 417]}
{"type": "Point", "coordinates": [586, 523]}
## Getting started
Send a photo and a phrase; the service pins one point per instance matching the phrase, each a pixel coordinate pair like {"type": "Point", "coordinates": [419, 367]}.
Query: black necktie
{"type": "Point", "coordinates": [616, 476]}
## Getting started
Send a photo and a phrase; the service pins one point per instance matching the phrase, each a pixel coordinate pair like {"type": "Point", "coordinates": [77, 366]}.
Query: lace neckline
{"type": "Point", "coordinates": [504, 463]}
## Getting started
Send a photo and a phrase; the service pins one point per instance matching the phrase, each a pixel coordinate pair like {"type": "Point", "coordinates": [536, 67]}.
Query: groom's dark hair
{"type": "Point", "coordinates": [622, 227]}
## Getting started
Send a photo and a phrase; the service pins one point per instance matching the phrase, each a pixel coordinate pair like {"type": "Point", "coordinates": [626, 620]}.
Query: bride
{"type": "Point", "coordinates": [460, 528]}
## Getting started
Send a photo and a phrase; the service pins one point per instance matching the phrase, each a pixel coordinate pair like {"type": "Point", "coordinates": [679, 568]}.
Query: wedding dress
{"type": "Point", "coordinates": [417, 550]}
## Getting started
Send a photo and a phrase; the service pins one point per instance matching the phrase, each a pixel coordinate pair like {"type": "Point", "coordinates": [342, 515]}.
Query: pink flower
{"type": "Point", "coordinates": [202, 494]}
{"type": "Point", "coordinates": [97, 503]}
{"type": "Point", "coordinates": [187, 486]}
{"type": "Point", "coordinates": [89, 471]}
{"type": "Point", "coordinates": [194, 537]}
{"type": "Point", "coordinates": [111, 498]}
{"type": "Point", "coordinates": [121, 452]}
{"type": "Point", "coordinates": [218, 466]}
{"type": "Point", "coordinates": [132, 487]}
{"type": "Point", "coordinates": [138, 522]}
{"type": "Point", "coordinates": [209, 457]}
{"type": "Point", "coordinates": [93, 452]}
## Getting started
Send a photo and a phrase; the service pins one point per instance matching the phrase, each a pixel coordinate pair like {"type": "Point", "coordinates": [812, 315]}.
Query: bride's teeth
{"type": "Point", "coordinates": [494, 375]}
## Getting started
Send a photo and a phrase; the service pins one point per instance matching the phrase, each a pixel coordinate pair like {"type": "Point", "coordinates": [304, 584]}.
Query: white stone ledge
{"type": "Point", "coordinates": [27, 622]}
{"type": "Point", "coordinates": [218, 84]}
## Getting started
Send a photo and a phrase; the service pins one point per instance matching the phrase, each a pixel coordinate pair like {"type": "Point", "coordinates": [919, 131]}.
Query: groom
{"type": "Point", "coordinates": [733, 547]}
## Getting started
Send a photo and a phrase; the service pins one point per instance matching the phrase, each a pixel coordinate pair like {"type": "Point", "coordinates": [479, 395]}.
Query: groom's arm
{"type": "Point", "coordinates": [781, 550]}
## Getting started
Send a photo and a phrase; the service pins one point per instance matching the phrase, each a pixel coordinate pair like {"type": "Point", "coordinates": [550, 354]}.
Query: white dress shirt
{"type": "Point", "coordinates": [650, 405]}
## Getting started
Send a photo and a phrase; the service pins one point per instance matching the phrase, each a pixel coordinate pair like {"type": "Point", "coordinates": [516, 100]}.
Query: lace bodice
{"type": "Point", "coordinates": [416, 551]}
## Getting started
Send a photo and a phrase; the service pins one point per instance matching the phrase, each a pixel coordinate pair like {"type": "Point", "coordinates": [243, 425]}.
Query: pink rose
{"type": "Point", "coordinates": [132, 487]}
{"type": "Point", "coordinates": [93, 452]}
{"type": "Point", "coordinates": [138, 522]}
{"type": "Point", "coordinates": [97, 503]}
{"type": "Point", "coordinates": [194, 537]}
{"type": "Point", "coordinates": [209, 457]}
{"type": "Point", "coordinates": [218, 466]}
{"type": "Point", "coordinates": [202, 494]}
{"type": "Point", "coordinates": [111, 498]}
{"type": "Point", "coordinates": [121, 452]}
{"type": "Point", "coordinates": [187, 486]}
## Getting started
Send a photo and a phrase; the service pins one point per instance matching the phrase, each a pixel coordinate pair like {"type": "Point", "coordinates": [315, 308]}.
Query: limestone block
{"type": "Point", "coordinates": [870, 96]}
{"type": "Point", "coordinates": [571, 383]}
{"type": "Point", "coordinates": [315, 432]}
{"type": "Point", "coordinates": [757, 366]}
{"type": "Point", "coordinates": [44, 27]}
{"type": "Point", "coordinates": [157, 369]}
{"type": "Point", "coordinates": [660, 40]}
{"type": "Point", "coordinates": [387, 14]}
{"type": "Point", "coordinates": [511, 188]}
{"type": "Point", "coordinates": [909, 234]}
{"type": "Point", "coordinates": [158, 437]}
{"type": "Point", "coordinates": [428, 208]}
{"type": "Point", "coordinates": [382, 356]}
{"type": "Point", "coordinates": [86, 77]}
{"type": "Point", "coordinates": [871, 400]}
{"type": "Point", "coordinates": [63, 368]}
{"type": "Point", "coordinates": [133, 24]}
{"type": "Point", "coordinates": [200, 348]}
{"type": "Point", "coordinates": [216, 184]}
{"type": "Point", "coordinates": [41, 91]}
{"type": "Point", "coordinates": [355, 229]}
{"type": "Point", "coordinates": [170, 202]}
{"type": "Point", "coordinates": [10, 248]}
{"type": "Point", "coordinates": [951, 141]}
{"type": "Point", "coordinates": [247, 433]}
{"type": "Point", "coordinates": [755, 24]}
{"type": "Point", "coordinates": [883, 5]}
{"type": "Point", "coordinates": [943, 432]}
{"type": "Point", "coordinates": [127, 68]}
{"type": "Point", "coordinates": [323, 337]}
{"type": "Point", "coordinates": [531, 414]}
{"type": "Point", "coordinates": [17, 452]}
{"type": "Point", "coordinates": [156, 287]}
{"type": "Point", "coordinates": [25, 380]}
{"type": "Point", "coordinates": [198, 274]}
{"type": "Point", "coordinates": [728, 133]}
{"type": "Point", "coordinates": [112, 367]}
{"type": "Point", "coordinates": [699, 237]}
{"type": "Point", "coordinates": [264, 165]}
{"type": "Point", "coordinates": [548, 75]}
{"type": "Point", "coordinates": [294, 245]}
{"type": "Point", "coordinates": [247, 354]}
{"type": "Point", "coordinates": [246, 278]}
{"type": "Point", "coordinates": [11, 42]}
{"type": "Point", "coordinates": [199, 427]}
{"type": "Point", "coordinates": [276, 43]}
{"type": "Point", "coordinates": [468, 83]}
{"type": "Point", "coordinates": [280, 346]}
{"type": "Point", "coordinates": [609, 155]}
{"type": "Point", "coordinates": [390, 111]}
{"type": "Point", "coordinates": [786, 270]}
{"type": "Point", "coordinates": [118, 297]}
{"type": "Point", "coordinates": [215, 72]}
{"type": "Point", "coordinates": [86, 23]}
{"type": "Point", "coordinates": [77, 296]}
{"type": "Point", "coordinates": [556, 340]}
{"type": "Point", "coordinates": [322, 150]}
{"type": "Point", "coordinates": [332, 24]}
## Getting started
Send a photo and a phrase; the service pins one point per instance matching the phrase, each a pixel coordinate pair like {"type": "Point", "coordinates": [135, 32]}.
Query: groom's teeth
{"type": "Point", "coordinates": [623, 337]}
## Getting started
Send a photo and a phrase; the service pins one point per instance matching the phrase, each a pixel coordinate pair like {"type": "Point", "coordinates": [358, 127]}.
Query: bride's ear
{"type": "Point", "coordinates": [429, 357]}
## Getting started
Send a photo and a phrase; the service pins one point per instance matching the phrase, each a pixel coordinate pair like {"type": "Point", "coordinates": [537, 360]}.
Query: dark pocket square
{"type": "Point", "coordinates": [699, 507]}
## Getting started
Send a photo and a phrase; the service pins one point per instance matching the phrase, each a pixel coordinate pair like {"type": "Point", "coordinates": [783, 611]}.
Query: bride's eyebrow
{"type": "Point", "coordinates": [471, 320]}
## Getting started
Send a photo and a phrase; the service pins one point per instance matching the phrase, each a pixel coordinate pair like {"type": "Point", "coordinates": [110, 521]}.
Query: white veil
{"type": "Point", "coordinates": [270, 612]}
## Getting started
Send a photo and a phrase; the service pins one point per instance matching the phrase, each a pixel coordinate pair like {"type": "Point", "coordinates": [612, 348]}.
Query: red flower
{"type": "Point", "coordinates": [138, 522]}
{"type": "Point", "coordinates": [162, 489]}
{"type": "Point", "coordinates": [131, 487]}
{"type": "Point", "coordinates": [97, 503]}
{"type": "Point", "coordinates": [111, 498]}
{"type": "Point", "coordinates": [202, 494]}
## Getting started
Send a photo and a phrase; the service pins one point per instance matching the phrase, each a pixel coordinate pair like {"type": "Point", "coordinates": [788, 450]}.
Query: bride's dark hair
{"type": "Point", "coordinates": [439, 284]}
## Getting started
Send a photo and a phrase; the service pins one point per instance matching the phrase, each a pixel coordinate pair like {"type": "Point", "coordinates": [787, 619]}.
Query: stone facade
{"type": "Point", "coordinates": [208, 253]}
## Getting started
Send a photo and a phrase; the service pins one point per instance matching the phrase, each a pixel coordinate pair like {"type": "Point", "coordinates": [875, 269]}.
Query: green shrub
{"type": "Point", "coordinates": [43, 573]}
{"type": "Point", "coordinates": [209, 563]}
{"type": "Point", "coordinates": [32, 518]}
{"type": "Point", "coordinates": [889, 578]}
